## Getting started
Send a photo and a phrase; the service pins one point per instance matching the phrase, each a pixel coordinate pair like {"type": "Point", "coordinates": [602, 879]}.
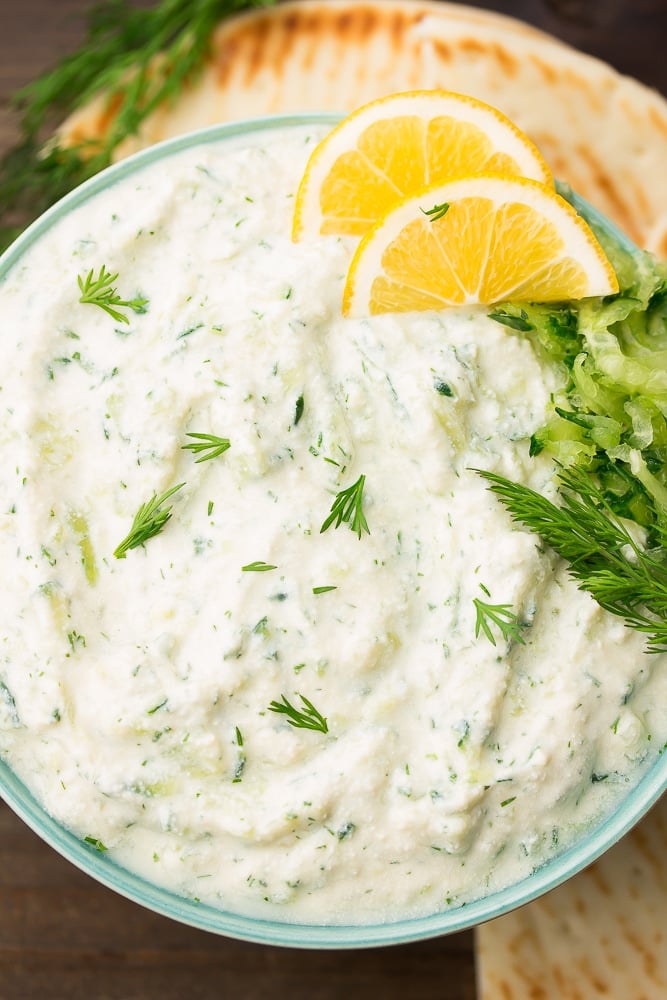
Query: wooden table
{"type": "Point", "coordinates": [64, 937]}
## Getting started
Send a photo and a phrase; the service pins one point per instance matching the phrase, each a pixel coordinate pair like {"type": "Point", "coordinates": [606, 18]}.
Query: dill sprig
{"type": "Point", "coordinates": [308, 718]}
{"type": "Point", "coordinates": [239, 767]}
{"type": "Point", "coordinates": [348, 507]}
{"type": "Point", "coordinates": [207, 445]}
{"type": "Point", "coordinates": [139, 59]}
{"type": "Point", "coordinates": [149, 520]}
{"type": "Point", "coordinates": [99, 291]}
{"type": "Point", "coordinates": [96, 843]}
{"type": "Point", "coordinates": [259, 566]}
{"type": "Point", "coordinates": [603, 556]}
{"type": "Point", "coordinates": [437, 212]}
{"type": "Point", "coordinates": [499, 615]}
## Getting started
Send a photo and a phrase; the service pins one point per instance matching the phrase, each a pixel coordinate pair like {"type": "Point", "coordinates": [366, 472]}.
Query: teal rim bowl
{"type": "Point", "coordinates": [627, 812]}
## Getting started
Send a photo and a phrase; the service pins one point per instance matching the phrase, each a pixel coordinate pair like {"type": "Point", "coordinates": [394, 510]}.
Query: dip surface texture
{"type": "Point", "coordinates": [135, 692]}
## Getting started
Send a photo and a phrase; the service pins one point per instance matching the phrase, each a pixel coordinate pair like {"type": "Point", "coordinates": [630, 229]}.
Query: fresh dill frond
{"type": "Point", "coordinates": [603, 556]}
{"type": "Point", "coordinates": [437, 212]}
{"type": "Point", "coordinates": [99, 291]}
{"type": "Point", "coordinates": [138, 59]}
{"type": "Point", "coordinates": [96, 843]}
{"type": "Point", "coordinates": [209, 445]}
{"type": "Point", "coordinates": [517, 320]}
{"type": "Point", "coordinates": [298, 410]}
{"type": "Point", "coordinates": [501, 616]}
{"type": "Point", "coordinates": [239, 767]}
{"type": "Point", "coordinates": [307, 718]}
{"type": "Point", "coordinates": [348, 508]}
{"type": "Point", "coordinates": [149, 520]}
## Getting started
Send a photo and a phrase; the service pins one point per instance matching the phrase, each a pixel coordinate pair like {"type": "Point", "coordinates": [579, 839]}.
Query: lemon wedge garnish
{"type": "Point", "coordinates": [476, 240]}
{"type": "Point", "coordinates": [394, 147]}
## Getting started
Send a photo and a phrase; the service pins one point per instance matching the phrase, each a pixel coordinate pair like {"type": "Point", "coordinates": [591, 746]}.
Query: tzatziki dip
{"type": "Point", "coordinates": [267, 637]}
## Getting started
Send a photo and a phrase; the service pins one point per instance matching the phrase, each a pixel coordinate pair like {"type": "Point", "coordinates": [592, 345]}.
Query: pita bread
{"type": "Point", "coordinates": [600, 934]}
{"type": "Point", "coordinates": [603, 133]}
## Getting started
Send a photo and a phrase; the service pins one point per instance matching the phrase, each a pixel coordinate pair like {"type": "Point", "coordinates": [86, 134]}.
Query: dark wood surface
{"type": "Point", "coordinates": [63, 936]}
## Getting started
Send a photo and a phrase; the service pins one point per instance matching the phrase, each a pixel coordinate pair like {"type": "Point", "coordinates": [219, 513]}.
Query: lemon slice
{"type": "Point", "coordinates": [486, 239]}
{"type": "Point", "coordinates": [398, 145]}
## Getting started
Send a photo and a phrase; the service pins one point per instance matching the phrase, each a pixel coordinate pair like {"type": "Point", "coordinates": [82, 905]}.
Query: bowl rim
{"type": "Point", "coordinates": [628, 811]}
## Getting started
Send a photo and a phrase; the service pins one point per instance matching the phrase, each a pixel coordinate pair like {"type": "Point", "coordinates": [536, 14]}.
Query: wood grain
{"type": "Point", "coordinates": [63, 936]}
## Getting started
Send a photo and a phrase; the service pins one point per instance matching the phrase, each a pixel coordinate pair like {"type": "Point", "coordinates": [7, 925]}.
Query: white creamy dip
{"type": "Point", "coordinates": [135, 692]}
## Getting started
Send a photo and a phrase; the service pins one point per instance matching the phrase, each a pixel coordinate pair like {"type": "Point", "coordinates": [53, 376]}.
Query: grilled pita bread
{"type": "Point", "coordinates": [601, 934]}
{"type": "Point", "coordinates": [603, 133]}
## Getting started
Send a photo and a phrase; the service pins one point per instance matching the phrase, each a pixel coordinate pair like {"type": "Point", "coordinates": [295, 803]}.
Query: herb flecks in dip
{"type": "Point", "coordinates": [386, 716]}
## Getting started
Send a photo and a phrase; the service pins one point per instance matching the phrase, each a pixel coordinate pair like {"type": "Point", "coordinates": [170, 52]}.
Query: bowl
{"type": "Point", "coordinates": [99, 865]}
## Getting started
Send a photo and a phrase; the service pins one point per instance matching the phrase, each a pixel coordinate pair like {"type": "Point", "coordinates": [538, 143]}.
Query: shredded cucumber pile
{"type": "Point", "coordinates": [610, 417]}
